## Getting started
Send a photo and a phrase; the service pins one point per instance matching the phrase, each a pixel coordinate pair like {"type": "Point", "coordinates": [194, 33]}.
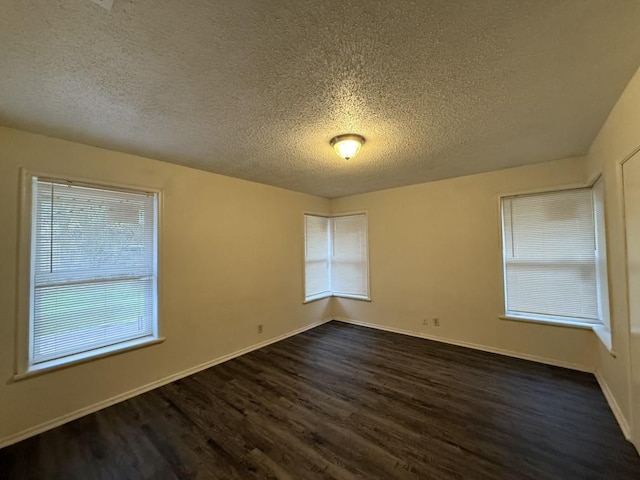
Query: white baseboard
{"type": "Point", "coordinates": [43, 427]}
{"type": "Point", "coordinates": [484, 348]}
{"type": "Point", "coordinates": [613, 404]}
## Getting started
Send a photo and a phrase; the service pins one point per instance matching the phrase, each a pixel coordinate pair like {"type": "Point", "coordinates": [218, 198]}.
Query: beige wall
{"type": "Point", "coordinates": [435, 250]}
{"type": "Point", "coordinates": [232, 258]}
{"type": "Point", "coordinates": [618, 138]}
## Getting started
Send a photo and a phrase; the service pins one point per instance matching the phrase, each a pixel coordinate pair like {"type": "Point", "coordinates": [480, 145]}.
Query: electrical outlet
{"type": "Point", "coordinates": [106, 4]}
{"type": "Point", "coordinates": [425, 321]}
{"type": "Point", "coordinates": [259, 328]}
{"type": "Point", "coordinates": [436, 322]}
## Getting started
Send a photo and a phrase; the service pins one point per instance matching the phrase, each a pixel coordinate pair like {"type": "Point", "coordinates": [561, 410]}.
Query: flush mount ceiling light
{"type": "Point", "coordinates": [347, 146]}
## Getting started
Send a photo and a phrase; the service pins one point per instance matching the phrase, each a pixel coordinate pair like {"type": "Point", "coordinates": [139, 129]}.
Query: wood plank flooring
{"type": "Point", "coordinates": [345, 402]}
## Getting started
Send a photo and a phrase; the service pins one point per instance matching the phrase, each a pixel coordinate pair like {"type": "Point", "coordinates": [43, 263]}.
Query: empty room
{"type": "Point", "coordinates": [277, 239]}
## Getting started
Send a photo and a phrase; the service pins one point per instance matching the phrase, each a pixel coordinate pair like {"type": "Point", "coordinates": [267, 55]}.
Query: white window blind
{"type": "Point", "coordinates": [549, 256]}
{"type": "Point", "coordinates": [349, 263]}
{"type": "Point", "coordinates": [336, 256]}
{"type": "Point", "coordinates": [316, 235]}
{"type": "Point", "coordinates": [93, 268]}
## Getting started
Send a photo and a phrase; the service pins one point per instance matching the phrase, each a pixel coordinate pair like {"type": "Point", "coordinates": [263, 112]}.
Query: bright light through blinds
{"type": "Point", "coordinates": [549, 255]}
{"type": "Point", "coordinates": [316, 256]}
{"type": "Point", "coordinates": [93, 268]}
{"type": "Point", "coordinates": [349, 264]}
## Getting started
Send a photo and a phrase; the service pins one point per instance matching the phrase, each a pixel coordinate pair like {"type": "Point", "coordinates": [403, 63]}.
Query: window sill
{"type": "Point", "coordinates": [550, 321]}
{"type": "Point", "coordinates": [84, 357]}
{"type": "Point", "coordinates": [353, 297]}
{"type": "Point", "coordinates": [315, 298]}
{"type": "Point", "coordinates": [337, 295]}
{"type": "Point", "coordinates": [604, 334]}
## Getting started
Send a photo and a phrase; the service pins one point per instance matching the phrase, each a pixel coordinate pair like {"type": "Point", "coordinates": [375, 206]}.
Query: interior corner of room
{"type": "Point", "coordinates": [509, 251]}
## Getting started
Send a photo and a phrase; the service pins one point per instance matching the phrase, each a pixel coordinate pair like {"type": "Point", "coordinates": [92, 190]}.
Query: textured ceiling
{"type": "Point", "coordinates": [256, 88]}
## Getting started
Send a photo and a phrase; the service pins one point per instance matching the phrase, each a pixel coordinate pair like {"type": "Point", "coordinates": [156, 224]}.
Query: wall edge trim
{"type": "Point", "coordinates": [69, 417]}
{"type": "Point", "coordinates": [613, 405]}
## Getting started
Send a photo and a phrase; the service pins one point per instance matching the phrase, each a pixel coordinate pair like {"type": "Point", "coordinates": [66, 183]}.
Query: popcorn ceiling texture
{"type": "Point", "coordinates": [256, 88]}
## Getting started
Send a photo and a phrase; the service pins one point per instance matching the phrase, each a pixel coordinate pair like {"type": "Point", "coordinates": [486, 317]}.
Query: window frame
{"type": "Point", "coordinates": [310, 299]}
{"type": "Point", "coordinates": [603, 331]}
{"type": "Point", "coordinates": [23, 338]}
{"type": "Point", "coordinates": [541, 319]}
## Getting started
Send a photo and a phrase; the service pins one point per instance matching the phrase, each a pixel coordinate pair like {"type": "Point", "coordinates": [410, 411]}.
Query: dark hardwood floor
{"type": "Point", "coordinates": [343, 402]}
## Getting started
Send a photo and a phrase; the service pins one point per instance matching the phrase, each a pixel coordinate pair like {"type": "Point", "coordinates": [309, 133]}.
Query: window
{"type": "Point", "coordinates": [336, 257]}
{"type": "Point", "coordinates": [93, 282]}
{"type": "Point", "coordinates": [349, 260]}
{"type": "Point", "coordinates": [554, 257]}
{"type": "Point", "coordinates": [317, 274]}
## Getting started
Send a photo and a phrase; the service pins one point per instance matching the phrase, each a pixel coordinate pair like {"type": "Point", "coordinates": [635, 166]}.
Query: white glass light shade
{"type": "Point", "coordinates": [347, 146]}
